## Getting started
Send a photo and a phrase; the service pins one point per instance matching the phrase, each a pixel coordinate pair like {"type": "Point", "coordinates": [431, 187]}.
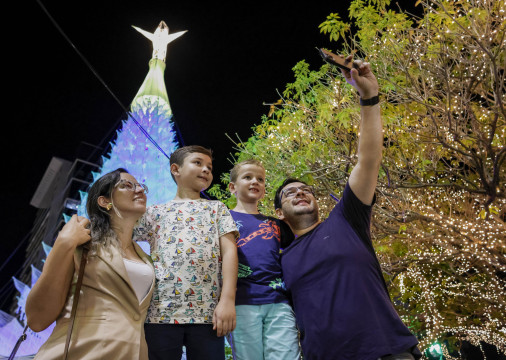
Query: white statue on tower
{"type": "Point", "coordinates": [160, 38]}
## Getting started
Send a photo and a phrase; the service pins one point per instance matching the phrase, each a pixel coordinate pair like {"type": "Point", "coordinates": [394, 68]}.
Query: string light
{"type": "Point", "coordinates": [438, 223]}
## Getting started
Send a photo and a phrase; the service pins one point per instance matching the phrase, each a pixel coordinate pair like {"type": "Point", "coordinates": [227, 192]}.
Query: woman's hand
{"type": "Point", "coordinates": [76, 231]}
{"type": "Point", "coordinates": [49, 294]}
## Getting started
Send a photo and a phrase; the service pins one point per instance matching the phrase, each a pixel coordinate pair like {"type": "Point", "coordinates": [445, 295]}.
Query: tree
{"type": "Point", "coordinates": [439, 221]}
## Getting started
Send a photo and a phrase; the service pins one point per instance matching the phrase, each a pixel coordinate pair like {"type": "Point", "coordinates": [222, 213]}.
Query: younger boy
{"type": "Point", "coordinates": [265, 321]}
{"type": "Point", "coordinates": [192, 243]}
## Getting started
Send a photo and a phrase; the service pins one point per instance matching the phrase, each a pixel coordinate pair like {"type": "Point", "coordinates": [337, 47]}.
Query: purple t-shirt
{"type": "Point", "coordinates": [259, 279]}
{"type": "Point", "coordinates": [341, 302]}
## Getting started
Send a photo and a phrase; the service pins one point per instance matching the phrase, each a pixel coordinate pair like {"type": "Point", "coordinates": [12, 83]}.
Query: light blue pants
{"type": "Point", "coordinates": [265, 331]}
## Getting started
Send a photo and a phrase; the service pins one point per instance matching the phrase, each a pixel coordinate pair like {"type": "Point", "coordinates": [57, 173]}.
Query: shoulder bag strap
{"type": "Point", "coordinates": [18, 344]}
{"type": "Point", "coordinates": [84, 257]}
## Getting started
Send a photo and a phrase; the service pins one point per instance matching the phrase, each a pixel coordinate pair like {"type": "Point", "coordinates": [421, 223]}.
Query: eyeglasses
{"type": "Point", "coordinates": [130, 186]}
{"type": "Point", "coordinates": [291, 192]}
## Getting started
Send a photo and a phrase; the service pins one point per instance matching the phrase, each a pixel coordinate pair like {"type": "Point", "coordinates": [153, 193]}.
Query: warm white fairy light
{"type": "Point", "coordinates": [445, 246]}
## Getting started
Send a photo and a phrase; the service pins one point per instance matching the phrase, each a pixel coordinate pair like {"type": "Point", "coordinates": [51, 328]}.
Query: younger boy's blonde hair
{"type": "Point", "coordinates": [234, 173]}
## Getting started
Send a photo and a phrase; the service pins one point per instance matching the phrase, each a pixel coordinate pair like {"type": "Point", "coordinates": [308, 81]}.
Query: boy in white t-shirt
{"type": "Point", "coordinates": [193, 248]}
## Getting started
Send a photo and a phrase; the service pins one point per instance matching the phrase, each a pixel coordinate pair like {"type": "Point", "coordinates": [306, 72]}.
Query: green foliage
{"type": "Point", "coordinates": [217, 192]}
{"type": "Point", "coordinates": [228, 352]}
{"type": "Point", "coordinates": [439, 221]}
{"type": "Point", "coordinates": [334, 27]}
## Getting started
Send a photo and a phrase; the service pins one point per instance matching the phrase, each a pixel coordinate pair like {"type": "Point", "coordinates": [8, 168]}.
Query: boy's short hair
{"type": "Point", "coordinates": [178, 156]}
{"type": "Point", "coordinates": [277, 197]}
{"type": "Point", "coordinates": [234, 173]}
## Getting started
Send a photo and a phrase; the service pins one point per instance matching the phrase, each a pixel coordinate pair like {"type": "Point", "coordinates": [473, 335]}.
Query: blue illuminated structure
{"type": "Point", "coordinates": [148, 136]}
{"type": "Point", "coordinates": [142, 146]}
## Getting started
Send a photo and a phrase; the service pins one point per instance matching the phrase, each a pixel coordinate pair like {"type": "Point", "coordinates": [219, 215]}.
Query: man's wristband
{"type": "Point", "coordinates": [370, 102]}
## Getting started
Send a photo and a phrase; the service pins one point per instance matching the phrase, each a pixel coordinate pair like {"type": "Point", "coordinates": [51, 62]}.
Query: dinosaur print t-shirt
{"type": "Point", "coordinates": [260, 278]}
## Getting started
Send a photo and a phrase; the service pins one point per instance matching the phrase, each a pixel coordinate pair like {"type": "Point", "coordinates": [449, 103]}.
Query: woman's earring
{"type": "Point", "coordinates": [109, 206]}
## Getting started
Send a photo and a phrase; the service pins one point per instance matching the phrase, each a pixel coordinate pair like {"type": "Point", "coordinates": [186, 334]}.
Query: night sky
{"type": "Point", "coordinates": [218, 75]}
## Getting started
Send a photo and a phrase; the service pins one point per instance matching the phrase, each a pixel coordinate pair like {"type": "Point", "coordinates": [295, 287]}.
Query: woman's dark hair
{"type": "Point", "coordinates": [277, 197]}
{"type": "Point", "coordinates": [99, 218]}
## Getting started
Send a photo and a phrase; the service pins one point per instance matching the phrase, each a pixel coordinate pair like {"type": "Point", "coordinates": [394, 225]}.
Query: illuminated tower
{"type": "Point", "coordinates": [148, 136]}
{"type": "Point", "coordinates": [142, 145]}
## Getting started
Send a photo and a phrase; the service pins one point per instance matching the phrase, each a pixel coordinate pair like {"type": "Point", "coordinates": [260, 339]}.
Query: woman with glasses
{"type": "Point", "coordinates": [117, 284]}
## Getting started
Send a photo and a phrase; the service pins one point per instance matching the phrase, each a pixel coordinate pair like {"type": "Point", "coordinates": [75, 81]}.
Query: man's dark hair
{"type": "Point", "coordinates": [277, 197]}
{"type": "Point", "coordinates": [178, 156]}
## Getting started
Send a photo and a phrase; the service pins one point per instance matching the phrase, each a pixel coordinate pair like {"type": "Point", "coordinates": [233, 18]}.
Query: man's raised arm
{"type": "Point", "coordinates": [364, 176]}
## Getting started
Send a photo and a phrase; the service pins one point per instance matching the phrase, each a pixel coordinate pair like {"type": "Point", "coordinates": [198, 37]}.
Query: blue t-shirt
{"type": "Point", "coordinates": [260, 278]}
{"type": "Point", "coordinates": [341, 302]}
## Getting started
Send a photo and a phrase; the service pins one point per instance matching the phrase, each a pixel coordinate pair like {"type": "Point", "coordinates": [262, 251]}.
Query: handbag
{"type": "Point", "coordinates": [22, 338]}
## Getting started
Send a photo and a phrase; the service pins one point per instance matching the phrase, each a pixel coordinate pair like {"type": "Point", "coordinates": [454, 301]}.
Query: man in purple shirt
{"type": "Point", "coordinates": [331, 272]}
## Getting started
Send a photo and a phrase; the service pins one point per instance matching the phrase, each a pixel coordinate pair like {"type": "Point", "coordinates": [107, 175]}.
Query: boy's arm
{"type": "Point", "coordinates": [143, 228]}
{"type": "Point", "coordinates": [224, 314]}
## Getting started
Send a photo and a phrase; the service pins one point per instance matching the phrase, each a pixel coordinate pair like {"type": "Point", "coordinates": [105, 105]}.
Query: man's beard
{"type": "Point", "coordinates": [303, 211]}
{"type": "Point", "coordinates": [304, 217]}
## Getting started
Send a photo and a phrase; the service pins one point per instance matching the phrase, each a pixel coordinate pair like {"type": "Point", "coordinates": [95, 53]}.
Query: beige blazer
{"type": "Point", "coordinates": [109, 320]}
